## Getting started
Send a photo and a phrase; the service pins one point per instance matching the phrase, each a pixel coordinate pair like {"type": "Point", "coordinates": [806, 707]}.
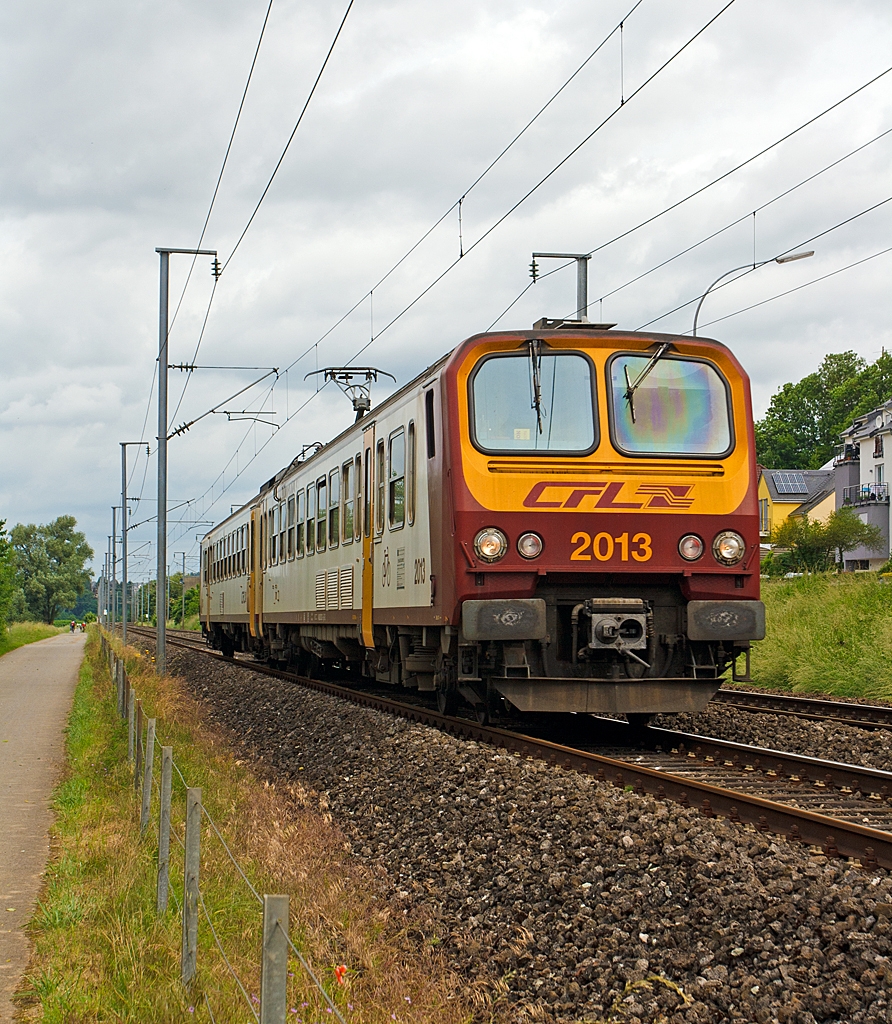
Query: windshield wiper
{"type": "Point", "coordinates": [536, 376]}
{"type": "Point", "coordinates": [632, 386]}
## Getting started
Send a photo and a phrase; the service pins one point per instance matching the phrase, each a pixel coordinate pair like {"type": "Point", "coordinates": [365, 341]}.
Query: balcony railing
{"type": "Point", "coordinates": [861, 493]}
{"type": "Point", "coordinates": [846, 453]}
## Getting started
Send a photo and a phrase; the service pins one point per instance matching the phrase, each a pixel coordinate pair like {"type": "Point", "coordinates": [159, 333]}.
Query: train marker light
{"type": "Point", "coordinates": [728, 547]}
{"type": "Point", "coordinates": [690, 547]}
{"type": "Point", "coordinates": [490, 544]}
{"type": "Point", "coordinates": [529, 545]}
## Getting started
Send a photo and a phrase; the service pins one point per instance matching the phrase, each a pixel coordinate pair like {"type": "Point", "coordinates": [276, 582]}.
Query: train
{"type": "Point", "coordinates": [555, 520]}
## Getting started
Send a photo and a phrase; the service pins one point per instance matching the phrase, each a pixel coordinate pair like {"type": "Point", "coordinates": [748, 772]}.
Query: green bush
{"type": "Point", "coordinates": [827, 633]}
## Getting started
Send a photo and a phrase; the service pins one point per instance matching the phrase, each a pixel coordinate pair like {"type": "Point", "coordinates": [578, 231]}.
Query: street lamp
{"type": "Point", "coordinates": [748, 266]}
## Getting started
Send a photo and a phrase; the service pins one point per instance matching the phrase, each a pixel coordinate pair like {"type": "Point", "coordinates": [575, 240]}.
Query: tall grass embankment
{"type": "Point", "coordinates": [827, 633]}
{"type": "Point", "coordinates": [102, 952]}
{"type": "Point", "coordinates": [17, 634]}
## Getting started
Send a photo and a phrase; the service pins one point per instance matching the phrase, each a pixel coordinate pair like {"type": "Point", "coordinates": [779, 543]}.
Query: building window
{"type": "Point", "coordinates": [878, 446]}
{"type": "Point", "coordinates": [880, 474]}
{"type": "Point", "coordinates": [764, 516]}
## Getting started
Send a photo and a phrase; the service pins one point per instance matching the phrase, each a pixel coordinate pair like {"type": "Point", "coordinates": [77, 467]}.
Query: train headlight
{"type": "Point", "coordinates": [729, 547]}
{"type": "Point", "coordinates": [490, 544]}
{"type": "Point", "coordinates": [529, 545]}
{"type": "Point", "coordinates": [690, 547]}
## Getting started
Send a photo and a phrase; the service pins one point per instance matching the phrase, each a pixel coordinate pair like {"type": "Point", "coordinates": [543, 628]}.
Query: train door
{"type": "Point", "coordinates": [368, 561]}
{"type": "Point", "coordinates": [255, 579]}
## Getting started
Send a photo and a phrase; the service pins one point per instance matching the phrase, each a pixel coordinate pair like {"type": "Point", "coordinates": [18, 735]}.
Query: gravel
{"type": "Point", "coordinates": [847, 743]}
{"type": "Point", "coordinates": [574, 901]}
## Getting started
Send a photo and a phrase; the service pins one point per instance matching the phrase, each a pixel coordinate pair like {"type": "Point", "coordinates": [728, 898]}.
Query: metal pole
{"type": "Point", "coordinates": [274, 965]}
{"type": "Point", "coordinates": [582, 287]}
{"type": "Point", "coordinates": [124, 541]}
{"type": "Point", "coordinates": [164, 829]}
{"type": "Point", "coordinates": [183, 588]}
{"type": "Point", "coordinates": [161, 574]}
{"type": "Point", "coordinates": [163, 363]}
{"type": "Point", "coordinates": [190, 884]}
{"type": "Point", "coordinates": [147, 777]}
{"type": "Point", "coordinates": [114, 566]}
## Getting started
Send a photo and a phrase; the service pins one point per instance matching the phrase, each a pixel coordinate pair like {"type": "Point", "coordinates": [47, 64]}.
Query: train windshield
{"type": "Point", "coordinates": [679, 407]}
{"type": "Point", "coordinates": [534, 402]}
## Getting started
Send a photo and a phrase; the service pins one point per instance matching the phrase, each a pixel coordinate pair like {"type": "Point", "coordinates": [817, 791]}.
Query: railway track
{"type": "Point", "coordinates": [864, 716]}
{"type": "Point", "coordinates": [846, 810]}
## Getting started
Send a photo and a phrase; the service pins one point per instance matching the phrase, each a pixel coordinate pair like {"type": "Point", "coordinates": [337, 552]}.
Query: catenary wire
{"type": "Point", "coordinates": [495, 225]}
{"type": "Point", "coordinates": [714, 181]}
{"type": "Point", "coordinates": [789, 249]}
{"type": "Point", "coordinates": [291, 137]}
{"type": "Point", "coordinates": [799, 287]}
{"type": "Point", "coordinates": [742, 218]}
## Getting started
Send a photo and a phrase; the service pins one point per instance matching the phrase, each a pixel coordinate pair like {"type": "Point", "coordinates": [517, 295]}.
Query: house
{"type": "Point", "coordinates": [786, 492]}
{"type": "Point", "coordinates": [861, 479]}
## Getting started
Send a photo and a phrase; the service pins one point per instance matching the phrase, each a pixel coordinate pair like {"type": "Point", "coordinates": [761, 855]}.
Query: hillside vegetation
{"type": "Point", "coordinates": [827, 633]}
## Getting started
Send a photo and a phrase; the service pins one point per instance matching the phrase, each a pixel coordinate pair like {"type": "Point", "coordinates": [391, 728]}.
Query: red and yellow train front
{"type": "Point", "coordinates": [606, 537]}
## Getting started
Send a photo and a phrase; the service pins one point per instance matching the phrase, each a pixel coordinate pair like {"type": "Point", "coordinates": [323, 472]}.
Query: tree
{"type": "Point", "coordinates": [845, 531]}
{"type": "Point", "coordinates": [7, 574]}
{"type": "Point", "coordinates": [50, 561]}
{"type": "Point", "coordinates": [812, 544]}
{"type": "Point", "coordinates": [804, 420]}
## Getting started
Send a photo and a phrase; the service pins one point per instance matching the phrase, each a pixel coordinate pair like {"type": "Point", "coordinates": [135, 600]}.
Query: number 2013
{"type": "Point", "coordinates": [604, 546]}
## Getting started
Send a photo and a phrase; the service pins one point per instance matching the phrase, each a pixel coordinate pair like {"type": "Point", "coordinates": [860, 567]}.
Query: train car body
{"type": "Point", "coordinates": [564, 518]}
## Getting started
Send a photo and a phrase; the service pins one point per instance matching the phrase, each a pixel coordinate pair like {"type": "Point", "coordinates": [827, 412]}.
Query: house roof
{"type": "Point", "coordinates": [797, 486]}
{"type": "Point", "coordinates": [866, 426]}
{"type": "Point", "coordinates": [815, 499]}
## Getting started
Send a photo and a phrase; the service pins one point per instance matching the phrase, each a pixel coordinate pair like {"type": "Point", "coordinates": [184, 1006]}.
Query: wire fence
{"type": "Point", "coordinates": [146, 751]}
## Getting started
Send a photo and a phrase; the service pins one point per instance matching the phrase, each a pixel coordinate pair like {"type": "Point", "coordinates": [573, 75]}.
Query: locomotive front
{"type": "Point", "coordinates": [605, 540]}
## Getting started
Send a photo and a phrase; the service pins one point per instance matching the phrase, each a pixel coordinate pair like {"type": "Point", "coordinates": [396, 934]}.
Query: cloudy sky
{"type": "Point", "coordinates": [116, 117]}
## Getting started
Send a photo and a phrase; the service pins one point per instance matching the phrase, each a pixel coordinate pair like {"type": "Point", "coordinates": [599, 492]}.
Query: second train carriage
{"type": "Point", "coordinates": [564, 518]}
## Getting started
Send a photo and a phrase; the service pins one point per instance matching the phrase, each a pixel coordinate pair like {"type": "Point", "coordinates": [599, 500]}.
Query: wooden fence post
{"type": "Point", "coordinates": [131, 714]}
{"type": "Point", "coordinates": [147, 778]}
{"type": "Point", "coordinates": [274, 965]}
{"type": "Point", "coordinates": [190, 884]}
{"type": "Point", "coordinates": [138, 760]}
{"type": "Point", "coordinates": [164, 829]}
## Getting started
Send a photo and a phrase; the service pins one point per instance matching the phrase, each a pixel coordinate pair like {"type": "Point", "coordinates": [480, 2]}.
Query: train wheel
{"type": "Point", "coordinates": [227, 647]}
{"type": "Point", "coordinates": [447, 702]}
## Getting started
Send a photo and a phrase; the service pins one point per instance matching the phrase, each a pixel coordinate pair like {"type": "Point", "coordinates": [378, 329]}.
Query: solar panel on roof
{"type": "Point", "coordinates": [788, 482]}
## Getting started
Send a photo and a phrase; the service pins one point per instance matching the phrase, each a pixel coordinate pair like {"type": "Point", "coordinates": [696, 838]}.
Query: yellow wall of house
{"type": "Point", "coordinates": [778, 511]}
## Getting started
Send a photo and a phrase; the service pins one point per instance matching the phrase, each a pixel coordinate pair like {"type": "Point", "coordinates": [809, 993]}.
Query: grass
{"type": "Point", "coordinates": [827, 633]}
{"type": "Point", "coordinates": [20, 633]}
{"type": "Point", "coordinates": [102, 953]}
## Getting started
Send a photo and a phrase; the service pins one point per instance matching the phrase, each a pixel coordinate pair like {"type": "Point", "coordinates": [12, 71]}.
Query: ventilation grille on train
{"type": "Point", "coordinates": [334, 589]}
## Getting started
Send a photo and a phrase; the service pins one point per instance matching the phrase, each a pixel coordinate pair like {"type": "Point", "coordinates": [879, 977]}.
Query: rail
{"type": "Point", "coordinates": [836, 836]}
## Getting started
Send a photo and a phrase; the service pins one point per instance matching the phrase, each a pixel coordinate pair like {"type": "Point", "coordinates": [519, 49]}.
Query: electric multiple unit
{"type": "Point", "coordinates": [564, 519]}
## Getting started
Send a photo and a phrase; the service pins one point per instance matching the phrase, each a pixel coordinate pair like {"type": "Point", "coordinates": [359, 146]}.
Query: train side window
{"type": "Point", "coordinates": [290, 526]}
{"type": "Point", "coordinates": [299, 542]}
{"type": "Point", "coordinates": [381, 487]}
{"type": "Point", "coordinates": [252, 542]}
{"type": "Point", "coordinates": [334, 508]}
{"type": "Point", "coordinates": [271, 534]}
{"type": "Point", "coordinates": [244, 549]}
{"type": "Point", "coordinates": [410, 473]}
{"type": "Point", "coordinates": [321, 512]}
{"type": "Point", "coordinates": [396, 487]}
{"type": "Point", "coordinates": [282, 532]}
{"type": "Point", "coordinates": [311, 519]}
{"type": "Point", "coordinates": [357, 482]}
{"type": "Point", "coordinates": [367, 493]}
{"type": "Point", "coordinates": [429, 424]}
{"type": "Point", "coordinates": [348, 481]}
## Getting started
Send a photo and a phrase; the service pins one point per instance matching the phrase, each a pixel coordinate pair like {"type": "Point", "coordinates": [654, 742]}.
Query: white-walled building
{"type": "Point", "coordinates": [862, 469]}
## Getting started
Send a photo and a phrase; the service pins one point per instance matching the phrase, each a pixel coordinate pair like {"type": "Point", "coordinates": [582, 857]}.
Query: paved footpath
{"type": "Point", "coordinates": [37, 683]}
